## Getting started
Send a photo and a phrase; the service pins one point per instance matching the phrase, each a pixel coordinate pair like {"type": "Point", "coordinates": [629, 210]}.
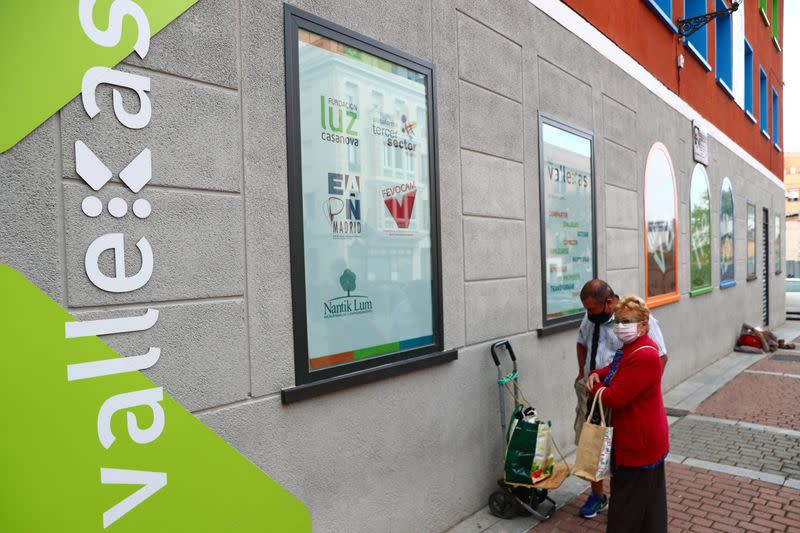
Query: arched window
{"type": "Point", "coordinates": [700, 232]}
{"type": "Point", "coordinates": [661, 228]}
{"type": "Point", "coordinates": [726, 237]}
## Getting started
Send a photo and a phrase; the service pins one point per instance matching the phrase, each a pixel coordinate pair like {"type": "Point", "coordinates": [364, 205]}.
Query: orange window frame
{"type": "Point", "coordinates": [661, 299]}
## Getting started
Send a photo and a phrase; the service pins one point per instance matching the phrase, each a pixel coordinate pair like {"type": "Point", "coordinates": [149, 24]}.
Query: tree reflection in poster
{"type": "Point", "coordinates": [751, 241]}
{"type": "Point", "coordinates": [726, 214]}
{"type": "Point", "coordinates": [661, 226]}
{"type": "Point", "coordinates": [700, 236]}
{"type": "Point", "coordinates": [778, 257]}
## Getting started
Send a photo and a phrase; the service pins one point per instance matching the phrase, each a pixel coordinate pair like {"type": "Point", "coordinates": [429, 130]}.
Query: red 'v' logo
{"type": "Point", "coordinates": [401, 209]}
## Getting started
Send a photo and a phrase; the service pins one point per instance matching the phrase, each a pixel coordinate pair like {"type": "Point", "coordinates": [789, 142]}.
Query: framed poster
{"type": "Point", "coordinates": [567, 220]}
{"type": "Point", "coordinates": [700, 232]}
{"type": "Point", "coordinates": [726, 236]}
{"type": "Point", "coordinates": [661, 228]}
{"type": "Point", "coordinates": [778, 256]}
{"type": "Point", "coordinates": [751, 242]}
{"type": "Point", "coordinates": [364, 227]}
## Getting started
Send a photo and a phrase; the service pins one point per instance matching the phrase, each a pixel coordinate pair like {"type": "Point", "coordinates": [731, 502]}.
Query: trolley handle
{"type": "Point", "coordinates": [507, 347]}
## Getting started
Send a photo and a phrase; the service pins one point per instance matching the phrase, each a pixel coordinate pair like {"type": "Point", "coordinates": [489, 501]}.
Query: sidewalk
{"type": "Point", "coordinates": [734, 461]}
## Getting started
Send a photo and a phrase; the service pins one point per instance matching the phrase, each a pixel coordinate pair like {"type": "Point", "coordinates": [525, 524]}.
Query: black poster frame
{"type": "Point", "coordinates": [556, 325]}
{"type": "Point", "coordinates": [311, 383]}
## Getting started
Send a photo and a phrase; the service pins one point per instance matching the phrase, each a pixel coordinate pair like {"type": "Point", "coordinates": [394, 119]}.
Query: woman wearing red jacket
{"type": "Point", "coordinates": [632, 389]}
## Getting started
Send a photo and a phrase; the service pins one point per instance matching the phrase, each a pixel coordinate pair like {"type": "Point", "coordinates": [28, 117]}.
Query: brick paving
{"type": "Point", "coordinates": [699, 501]}
{"type": "Point", "coordinates": [748, 448]}
{"type": "Point", "coordinates": [757, 398]}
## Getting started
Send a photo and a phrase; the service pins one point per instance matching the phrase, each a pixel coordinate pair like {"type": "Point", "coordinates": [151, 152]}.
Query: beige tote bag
{"type": "Point", "coordinates": [593, 457]}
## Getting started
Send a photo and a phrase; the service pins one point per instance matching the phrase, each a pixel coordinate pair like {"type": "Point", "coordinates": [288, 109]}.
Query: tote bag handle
{"type": "Point", "coordinates": [598, 397]}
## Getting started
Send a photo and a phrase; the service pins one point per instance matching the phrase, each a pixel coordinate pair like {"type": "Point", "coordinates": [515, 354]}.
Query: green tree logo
{"type": "Point", "coordinates": [348, 281]}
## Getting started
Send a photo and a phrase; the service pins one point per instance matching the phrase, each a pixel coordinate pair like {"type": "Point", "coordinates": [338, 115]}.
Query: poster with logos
{"type": "Point", "coordinates": [726, 236]}
{"type": "Point", "coordinates": [700, 236]}
{"type": "Point", "coordinates": [567, 207]}
{"type": "Point", "coordinates": [661, 227]}
{"type": "Point", "coordinates": [751, 241]}
{"type": "Point", "coordinates": [366, 203]}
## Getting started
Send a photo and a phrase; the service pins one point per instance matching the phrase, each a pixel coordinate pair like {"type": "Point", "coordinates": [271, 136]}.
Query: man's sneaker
{"type": "Point", "coordinates": [595, 504]}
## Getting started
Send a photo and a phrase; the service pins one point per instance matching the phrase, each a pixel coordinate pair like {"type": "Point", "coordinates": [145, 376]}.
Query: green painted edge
{"type": "Point", "coordinates": [701, 290]}
{"type": "Point", "coordinates": [376, 350]}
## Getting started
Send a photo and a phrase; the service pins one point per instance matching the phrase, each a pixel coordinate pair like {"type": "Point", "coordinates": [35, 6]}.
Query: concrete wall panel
{"type": "Point", "coordinates": [495, 309]}
{"type": "Point", "coordinates": [490, 123]}
{"type": "Point", "coordinates": [493, 248]}
{"type": "Point", "coordinates": [622, 166]}
{"type": "Point", "coordinates": [196, 240]}
{"type": "Point", "coordinates": [194, 134]}
{"type": "Point", "coordinates": [199, 366]}
{"type": "Point", "coordinates": [564, 95]}
{"type": "Point", "coordinates": [624, 248]}
{"type": "Point", "coordinates": [500, 72]}
{"type": "Point", "coordinates": [492, 186]}
{"type": "Point", "coordinates": [31, 231]}
{"type": "Point", "coordinates": [201, 44]}
{"type": "Point", "coordinates": [622, 208]}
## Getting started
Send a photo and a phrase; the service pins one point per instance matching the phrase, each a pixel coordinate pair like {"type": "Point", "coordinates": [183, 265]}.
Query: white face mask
{"type": "Point", "coordinates": [627, 332]}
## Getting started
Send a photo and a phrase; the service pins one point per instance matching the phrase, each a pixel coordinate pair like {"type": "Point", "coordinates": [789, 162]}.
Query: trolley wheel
{"type": "Point", "coordinates": [526, 495]}
{"type": "Point", "coordinates": [501, 504]}
{"type": "Point", "coordinates": [539, 495]}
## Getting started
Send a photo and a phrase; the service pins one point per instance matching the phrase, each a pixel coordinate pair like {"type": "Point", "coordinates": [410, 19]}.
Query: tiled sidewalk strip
{"type": "Point", "coordinates": [757, 398]}
{"type": "Point", "coordinates": [699, 501]}
{"type": "Point", "coordinates": [732, 443]}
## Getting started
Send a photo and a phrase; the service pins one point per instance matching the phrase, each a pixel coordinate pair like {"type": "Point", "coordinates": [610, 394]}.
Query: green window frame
{"type": "Point", "coordinates": [700, 232]}
{"type": "Point", "coordinates": [776, 17]}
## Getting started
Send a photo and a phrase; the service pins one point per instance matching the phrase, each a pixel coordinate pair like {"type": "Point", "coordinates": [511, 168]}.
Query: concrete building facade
{"type": "Point", "coordinates": [422, 450]}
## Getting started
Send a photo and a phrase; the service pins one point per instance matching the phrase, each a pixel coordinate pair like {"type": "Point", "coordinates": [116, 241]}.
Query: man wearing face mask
{"type": "Point", "coordinates": [596, 347]}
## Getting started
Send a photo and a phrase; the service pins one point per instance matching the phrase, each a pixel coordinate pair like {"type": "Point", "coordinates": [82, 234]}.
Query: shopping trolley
{"type": "Point", "coordinates": [522, 499]}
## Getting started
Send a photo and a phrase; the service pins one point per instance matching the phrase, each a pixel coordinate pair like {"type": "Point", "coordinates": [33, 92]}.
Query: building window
{"type": "Point", "coordinates": [366, 269]}
{"type": "Point", "coordinates": [661, 228]}
{"type": "Point", "coordinates": [751, 242]}
{"type": "Point", "coordinates": [748, 80]}
{"type": "Point", "coordinates": [775, 119]}
{"type": "Point", "coordinates": [764, 101]}
{"type": "Point", "coordinates": [724, 50]}
{"type": "Point", "coordinates": [663, 10]}
{"type": "Point", "coordinates": [697, 42]}
{"type": "Point", "coordinates": [726, 237]}
{"type": "Point", "coordinates": [566, 199]}
{"type": "Point", "coordinates": [700, 232]}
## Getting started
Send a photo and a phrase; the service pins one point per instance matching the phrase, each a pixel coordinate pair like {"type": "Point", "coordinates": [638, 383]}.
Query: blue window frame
{"type": "Point", "coordinates": [775, 118]}
{"type": "Point", "coordinates": [724, 50]}
{"type": "Point", "coordinates": [697, 42]}
{"type": "Point", "coordinates": [748, 80]}
{"type": "Point", "coordinates": [663, 9]}
{"type": "Point", "coordinates": [763, 96]}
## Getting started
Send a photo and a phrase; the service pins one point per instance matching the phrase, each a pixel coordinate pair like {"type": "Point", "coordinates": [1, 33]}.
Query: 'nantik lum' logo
{"type": "Point", "coordinates": [351, 304]}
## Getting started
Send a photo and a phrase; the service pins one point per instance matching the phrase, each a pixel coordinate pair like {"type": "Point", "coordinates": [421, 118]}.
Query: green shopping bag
{"type": "Point", "coordinates": [528, 458]}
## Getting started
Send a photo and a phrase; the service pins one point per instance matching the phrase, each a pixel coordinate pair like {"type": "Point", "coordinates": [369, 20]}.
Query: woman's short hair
{"type": "Point", "coordinates": [637, 306]}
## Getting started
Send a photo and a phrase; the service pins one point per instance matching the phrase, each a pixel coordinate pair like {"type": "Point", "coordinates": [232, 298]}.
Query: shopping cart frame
{"type": "Point", "coordinates": [514, 499]}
